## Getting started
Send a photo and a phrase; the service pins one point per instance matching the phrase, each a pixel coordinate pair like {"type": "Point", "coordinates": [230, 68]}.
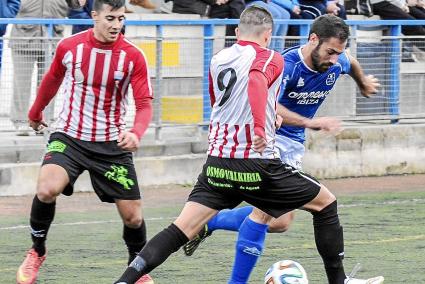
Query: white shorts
{"type": "Point", "coordinates": [291, 152]}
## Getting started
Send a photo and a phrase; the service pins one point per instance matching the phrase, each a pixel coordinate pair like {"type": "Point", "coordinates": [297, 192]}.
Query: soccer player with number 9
{"type": "Point", "coordinates": [243, 163]}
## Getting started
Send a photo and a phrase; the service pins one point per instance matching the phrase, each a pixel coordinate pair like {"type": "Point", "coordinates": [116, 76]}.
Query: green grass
{"type": "Point", "coordinates": [385, 232]}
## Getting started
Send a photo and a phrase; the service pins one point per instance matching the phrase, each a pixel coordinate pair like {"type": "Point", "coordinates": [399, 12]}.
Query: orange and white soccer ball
{"type": "Point", "coordinates": [286, 272]}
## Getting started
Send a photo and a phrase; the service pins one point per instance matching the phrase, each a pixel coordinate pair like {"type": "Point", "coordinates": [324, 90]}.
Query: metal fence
{"type": "Point", "coordinates": [179, 52]}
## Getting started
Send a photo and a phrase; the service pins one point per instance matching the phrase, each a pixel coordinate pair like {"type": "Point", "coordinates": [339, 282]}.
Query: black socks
{"type": "Point", "coordinates": [155, 252]}
{"type": "Point", "coordinates": [329, 239]}
{"type": "Point", "coordinates": [41, 217]}
{"type": "Point", "coordinates": [135, 239]}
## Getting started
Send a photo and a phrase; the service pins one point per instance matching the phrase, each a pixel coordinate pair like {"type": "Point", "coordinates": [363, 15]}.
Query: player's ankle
{"type": "Point", "coordinates": [39, 249]}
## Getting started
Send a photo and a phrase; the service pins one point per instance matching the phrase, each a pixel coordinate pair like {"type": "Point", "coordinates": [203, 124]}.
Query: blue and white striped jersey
{"type": "Point", "coordinates": [303, 90]}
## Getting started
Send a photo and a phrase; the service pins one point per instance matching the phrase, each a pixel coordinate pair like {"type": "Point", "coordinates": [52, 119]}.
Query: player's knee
{"type": "Point", "coordinates": [281, 224]}
{"type": "Point", "coordinates": [321, 201]}
{"type": "Point", "coordinates": [326, 198]}
{"type": "Point", "coordinates": [278, 228]}
{"type": "Point", "coordinates": [326, 216]}
{"type": "Point", "coordinates": [133, 221]}
{"type": "Point", "coordinates": [46, 192]}
{"type": "Point", "coordinates": [259, 216]}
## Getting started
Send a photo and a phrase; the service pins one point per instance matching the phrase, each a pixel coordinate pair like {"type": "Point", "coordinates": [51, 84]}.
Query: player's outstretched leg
{"type": "Point", "coordinates": [226, 219]}
{"type": "Point", "coordinates": [193, 216]}
{"type": "Point", "coordinates": [155, 252]}
{"type": "Point", "coordinates": [328, 234]}
{"type": "Point", "coordinates": [41, 217]}
{"type": "Point", "coordinates": [231, 220]}
{"type": "Point", "coordinates": [249, 246]}
{"type": "Point", "coordinates": [329, 239]}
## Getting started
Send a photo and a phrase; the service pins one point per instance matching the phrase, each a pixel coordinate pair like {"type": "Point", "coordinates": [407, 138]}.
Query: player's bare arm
{"type": "Point", "coordinates": [328, 124]}
{"type": "Point", "coordinates": [291, 118]}
{"type": "Point", "coordinates": [368, 84]}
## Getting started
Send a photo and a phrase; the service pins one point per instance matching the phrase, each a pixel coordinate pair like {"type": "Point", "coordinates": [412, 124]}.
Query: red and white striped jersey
{"type": "Point", "coordinates": [236, 111]}
{"type": "Point", "coordinates": [95, 85]}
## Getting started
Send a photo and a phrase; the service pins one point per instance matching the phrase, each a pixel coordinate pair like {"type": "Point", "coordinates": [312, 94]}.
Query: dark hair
{"type": "Point", "coordinates": [328, 26]}
{"type": "Point", "coordinates": [115, 4]}
{"type": "Point", "coordinates": [255, 20]}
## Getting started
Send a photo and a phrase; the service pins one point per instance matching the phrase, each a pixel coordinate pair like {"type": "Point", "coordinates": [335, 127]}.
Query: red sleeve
{"type": "Point", "coordinates": [142, 93]}
{"type": "Point", "coordinates": [270, 63]}
{"type": "Point", "coordinates": [257, 96]}
{"type": "Point", "coordinates": [49, 85]}
{"type": "Point", "coordinates": [211, 89]}
{"type": "Point", "coordinates": [264, 71]}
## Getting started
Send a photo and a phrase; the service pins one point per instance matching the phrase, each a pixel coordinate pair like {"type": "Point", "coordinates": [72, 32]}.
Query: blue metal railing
{"type": "Point", "coordinates": [208, 26]}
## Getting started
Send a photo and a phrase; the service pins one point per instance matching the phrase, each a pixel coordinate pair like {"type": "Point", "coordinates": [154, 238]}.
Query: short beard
{"type": "Point", "coordinates": [315, 57]}
{"type": "Point", "coordinates": [315, 60]}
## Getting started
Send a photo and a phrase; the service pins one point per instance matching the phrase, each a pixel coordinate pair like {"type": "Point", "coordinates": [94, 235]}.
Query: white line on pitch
{"type": "Point", "coordinates": [86, 223]}
{"type": "Point", "coordinates": [394, 202]}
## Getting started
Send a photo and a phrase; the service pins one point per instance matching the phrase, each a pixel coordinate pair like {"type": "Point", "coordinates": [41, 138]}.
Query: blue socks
{"type": "Point", "coordinates": [249, 247]}
{"type": "Point", "coordinates": [229, 220]}
{"type": "Point", "coordinates": [250, 241]}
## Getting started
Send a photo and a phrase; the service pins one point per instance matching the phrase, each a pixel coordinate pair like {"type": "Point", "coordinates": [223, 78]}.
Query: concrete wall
{"type": "Point", "coordinates": [20, 179]}
{"type": "Point", "coordinates": [357, 151]}
{"type": "Point", "coordinates": [367, 151]}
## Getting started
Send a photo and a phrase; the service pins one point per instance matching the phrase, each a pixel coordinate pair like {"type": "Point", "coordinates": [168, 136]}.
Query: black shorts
{"type": "Point", "coordinates": [267, 184]}
{"type": "Point", "coordinates": [111, 169]}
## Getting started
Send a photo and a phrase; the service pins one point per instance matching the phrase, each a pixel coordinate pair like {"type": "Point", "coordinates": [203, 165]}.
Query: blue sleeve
{"type": "Point", "coordinates": [286, 4]}
{"type": "Point", "coordinates": [287, 79]}
{"type": "Point", "coordinates": [345, 63]}
{"type": "Point", "coordinates": [10, 10]}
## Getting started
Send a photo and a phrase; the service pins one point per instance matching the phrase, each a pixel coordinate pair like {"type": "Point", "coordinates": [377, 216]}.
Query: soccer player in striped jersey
{"type": "Point", "coordinates": [243, 163]}
{"type": "Point", "coordinates": [309, 75]}
{"type": "Point", "coordinates": [95, 68]}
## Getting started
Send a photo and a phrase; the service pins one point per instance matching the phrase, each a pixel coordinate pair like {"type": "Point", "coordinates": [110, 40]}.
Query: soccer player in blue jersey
{"type": "Point", "coordinates": [309, 75]}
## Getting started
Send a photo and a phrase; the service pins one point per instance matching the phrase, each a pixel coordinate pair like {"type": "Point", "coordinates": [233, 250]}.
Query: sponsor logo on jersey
{"type": "Point", "coordinates": [330, 80]}
{"type": "Point", "coordinates": [308, 98]}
